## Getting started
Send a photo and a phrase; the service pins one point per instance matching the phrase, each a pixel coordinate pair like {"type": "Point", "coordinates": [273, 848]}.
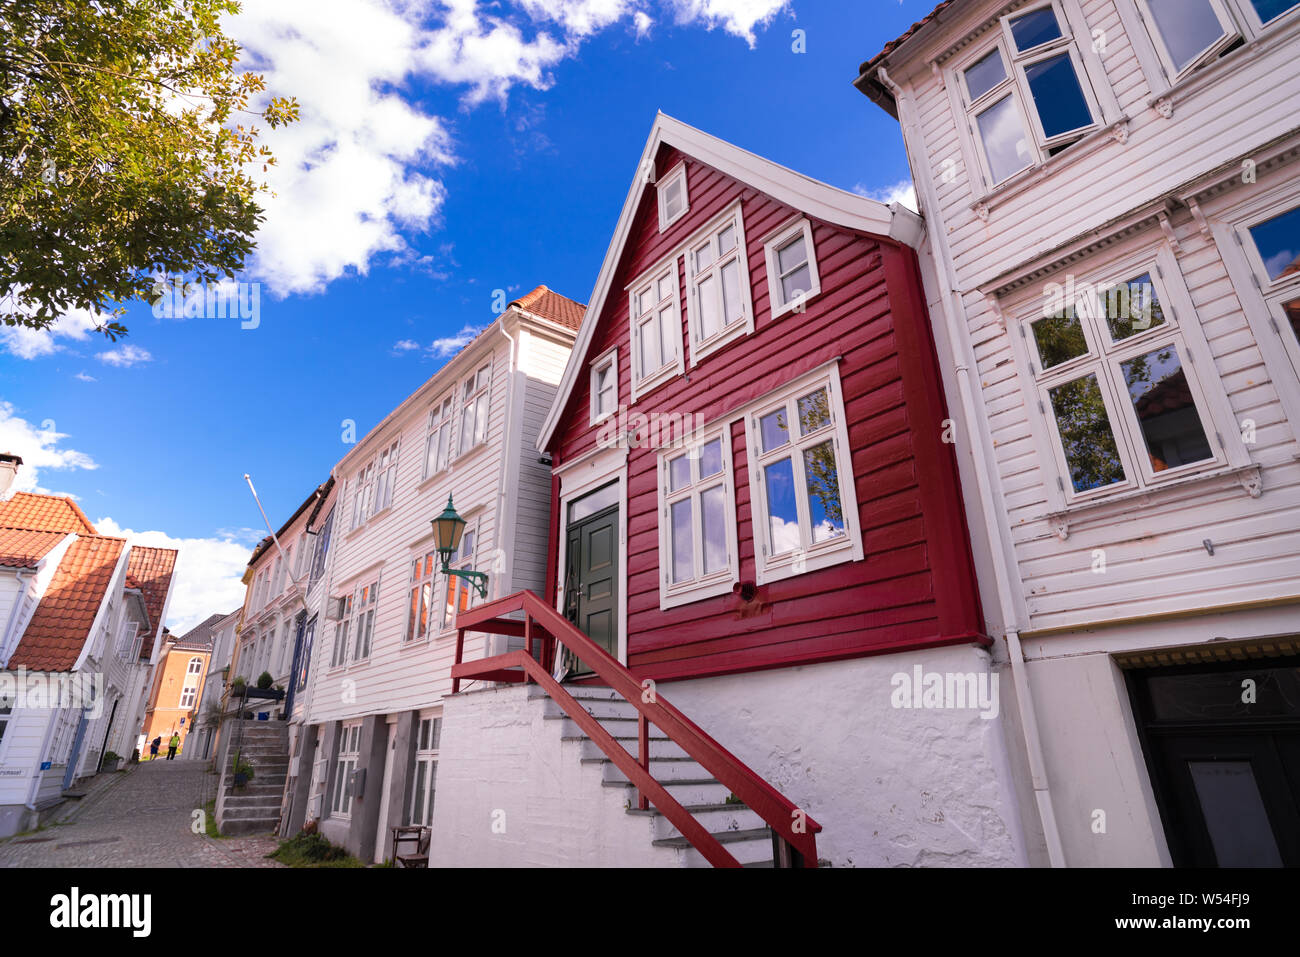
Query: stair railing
{"type": "Point", "coordinates": [793, 831]}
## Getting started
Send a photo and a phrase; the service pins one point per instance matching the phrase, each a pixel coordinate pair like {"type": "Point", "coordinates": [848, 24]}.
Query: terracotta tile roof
{"type": "Point", "coordinates": [894, 44]}
{"type": "Point", "coordinates": [150, 570]}
{"type": "Point", "coordinates": [551, 305]}
{"type": "Point", "coordinates": [44, 513]}
{"type": "Point", "coordinates": [61, 623]}
{"type": "Point", "coordinates": [24, 548]}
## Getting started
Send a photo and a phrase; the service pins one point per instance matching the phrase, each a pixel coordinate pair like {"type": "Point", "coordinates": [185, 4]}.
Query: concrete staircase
{"type": "Point", "coordinates": [254, 808]}
{"type": "Point", "coordinates": [744, 834]}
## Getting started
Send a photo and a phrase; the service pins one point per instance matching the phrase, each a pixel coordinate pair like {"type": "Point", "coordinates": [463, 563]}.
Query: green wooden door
{"type": "Point", "coordinates": [591, 586]}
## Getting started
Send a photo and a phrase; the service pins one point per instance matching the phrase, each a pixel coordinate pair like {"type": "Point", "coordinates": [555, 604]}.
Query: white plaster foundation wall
{"type": "Point", "coordinates": [1095, 763]}
{"type": "Point", "coordinates": [891, 787]}
{"type": "Point", "coordinates": [499, 754]}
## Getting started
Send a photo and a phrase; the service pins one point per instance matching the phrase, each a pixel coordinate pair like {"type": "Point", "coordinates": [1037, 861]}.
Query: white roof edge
{"type": "Point", "coordinates": [817, 199]}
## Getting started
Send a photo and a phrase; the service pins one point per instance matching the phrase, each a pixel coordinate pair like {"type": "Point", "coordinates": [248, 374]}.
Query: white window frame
{"type": "Point", "coordinates": [1016, 84]}
{"type": "Point", "coordinates": [192, 691]}
{"type": "Point", "coordinates": [720, 582]}
{"type": "Point", "coordinates": [779, 238]}
{"type": "Point", "coordinates": [607, 360]}
{"type": "Point", "coordinates": [349, 756]}
{"type": "Point", "coordinates": [126, 639]}
{"type": "Point", "coordinates": [424, 778]}
{"type": "Point", "coordinates": [420, 593]}
{"type": "Point", "coordinates": [701, 348]}
{"type": "Point", "coordinates": [463, 559]}
{"type": "Point", "coordinates": [642, 381]}
{"type": "Point", "coordinates": [364, 609]}
{"type": "Point", "coordinates": [676, 174]}
{"type": "Point", "coordinates": [809, 557]}
{"type": "Point", "coordinates": [1237, 18]}
{"type": "Point", "coordinates": [474, 388]}
{"type": "Point", "coordinates": [440, 428]}
{"type": "Point", "coordinates": [1181, 328]}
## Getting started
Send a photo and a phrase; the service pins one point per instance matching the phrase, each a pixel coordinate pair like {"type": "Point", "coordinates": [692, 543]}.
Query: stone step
{"type": "Point", "coordinates": [237, 827]}
{"type": "Point", "coordinates": [715, 818]}
{"type": "Point", "coordinates": [750, 847]}
{"type": "Point", "coordinates": [662, 770]}
{"type": "Point", "coordinates": [597, 707]}
{"type": "Point", "coordinates": [619, 727]}
{"type": "Point", "coordinates": [236, 799]}
{"type": "Point", "coordinates": [705, 790]}
{"type": "Point", "coordinates": [659, 747]}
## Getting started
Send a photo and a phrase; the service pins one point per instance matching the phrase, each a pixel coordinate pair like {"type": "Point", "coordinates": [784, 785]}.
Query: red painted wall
{"type": "Point", "coordinates": [916, 586]}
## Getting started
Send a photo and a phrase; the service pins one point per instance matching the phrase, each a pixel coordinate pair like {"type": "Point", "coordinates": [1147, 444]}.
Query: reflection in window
{"type": "Point", "coordinates": [1278, 242]}
{"type": "Point", "coordinates": [1234, 814]}
{"type": "Point", "coordinates": [782, 514]}
{"type": "Point", "coordinates": [1131, 308]}
{"type": "Point", "coordinates": [822, 474]}
{"type": "Point", "coordinates": [1187, 27]}
{"type": "Point", "coordinates": [1058, 96]}
{"type": "Point", "coordinates": [1034, 29]}
{"type": "Point", "coordinates": [1003, 136]}
{"type": "Point", "coordinates": [1166, 412]}
{"type": "Point", "coordinates": [694, 495]}
{"type": "Point", "coordinates": [1086, 436]}
{"type": "Point", "coordinates": [1059, 338]}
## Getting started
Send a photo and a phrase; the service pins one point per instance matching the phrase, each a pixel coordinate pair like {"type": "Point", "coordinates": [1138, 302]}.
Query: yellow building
{"type": "Point", "coordinates": [177, 689]}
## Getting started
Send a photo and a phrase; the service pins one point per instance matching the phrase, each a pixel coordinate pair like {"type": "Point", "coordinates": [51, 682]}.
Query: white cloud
{"type": "Point", "coordinates": [443, 348]}
{"type": "Point", "coordinates": [125, 356]}
{"type": "Point", "coordinates": [642, 21]}
{"type": "Point", "coordinates": [81, 376]}
{"type": "Point", "coordinates": [405, 345]}
{"type": "Point", "coordinates": [39, 448]}
{"type": "Point", "coordinates": [207, 576]}
{"type": "Point", "coordinates": [903, 192]}
{"type": "Point", "coordinates": [738, 17]}
{"type": "Point", "coordinates": [25, 343]}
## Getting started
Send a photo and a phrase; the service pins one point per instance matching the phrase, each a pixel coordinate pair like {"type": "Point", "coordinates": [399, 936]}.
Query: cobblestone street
{"type": "Point", "coordinates": [138, 818]}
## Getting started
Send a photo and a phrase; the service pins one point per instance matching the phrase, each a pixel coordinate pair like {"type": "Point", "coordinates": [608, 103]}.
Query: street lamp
{"type": "Point", "coordinates": [447, 531]}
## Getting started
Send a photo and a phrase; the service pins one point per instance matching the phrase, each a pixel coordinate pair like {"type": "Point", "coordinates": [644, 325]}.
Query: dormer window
{"type": "Point", "coordinates": [673, 202]}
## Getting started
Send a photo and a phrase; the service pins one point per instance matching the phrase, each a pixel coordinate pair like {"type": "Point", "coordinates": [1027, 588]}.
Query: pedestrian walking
{"type": "Point", "coordinates": [172, 745]}
{"type": "Point", "coordinates": [154, 745]}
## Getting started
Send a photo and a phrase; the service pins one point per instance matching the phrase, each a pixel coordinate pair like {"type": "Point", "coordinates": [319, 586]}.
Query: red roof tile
{"type": "Point", "coordinates": [44, 513]}
{"type": "Point", "coordinates": [551, 305]}
{"type": "Point", "coordinates": [61, 624]}
{"type": "Point", "coordinates": [24, 547]}
{"type": "Point", "coordinates": [894, 44]}
{"type": "Point", "coordinates": [150, 570]}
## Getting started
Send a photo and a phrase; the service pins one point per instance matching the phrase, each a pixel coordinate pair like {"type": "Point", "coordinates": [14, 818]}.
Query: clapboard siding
{"type": "Point", "coordinates": [1155, 559]}
{"type": "Point", "coordinates": [871, 315]}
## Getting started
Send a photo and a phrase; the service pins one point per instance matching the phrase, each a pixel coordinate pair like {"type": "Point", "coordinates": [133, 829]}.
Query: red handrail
{"type": "Point", "coordinates": [790, 823]}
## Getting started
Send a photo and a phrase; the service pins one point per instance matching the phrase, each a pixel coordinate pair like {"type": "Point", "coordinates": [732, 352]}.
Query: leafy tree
{"type": "Point", "coordinates": [124, 152]}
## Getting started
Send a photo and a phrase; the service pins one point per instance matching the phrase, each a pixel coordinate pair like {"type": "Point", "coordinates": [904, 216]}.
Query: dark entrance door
{"type": "Point", "coordinates": [1223, 747]}
{"type": "Point", "coordinates": [591, 560]}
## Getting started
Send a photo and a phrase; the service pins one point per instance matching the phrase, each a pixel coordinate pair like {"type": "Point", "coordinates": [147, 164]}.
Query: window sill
{"type": "Point", "coordinates": [797, 305]}
{"type": "Point", "coordinates": [1029, 178]}
{"type": "Point", "coordinates": [649, 384]}
{"type": "Point", "coordinates": [686, 594]}
{"type": "Point", "coordinates": [426, 484]}
{"type": "Point", "coordinates": [702, 350]}
{"type": "Point", "coordinates": [465, 456]}
{"type": "Point", "coordinates": [815, 559]}
{"type": "Point", "coordinates": [1105, 509]}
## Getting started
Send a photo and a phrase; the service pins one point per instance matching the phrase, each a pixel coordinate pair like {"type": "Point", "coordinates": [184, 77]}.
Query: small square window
{"type": "Point", "coordinates": [604, 386]}
{"type": "Point", "coordinates": [792, 277]}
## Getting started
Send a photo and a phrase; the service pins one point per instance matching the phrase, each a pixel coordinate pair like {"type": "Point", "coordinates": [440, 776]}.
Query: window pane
{"type": "Point", "coordinates": [679, 473]}
{"type": "Point", "coordinates": [711, 458]}
{"type": "Point", "coordinates": [1058, 96]}
{"type": "Point", "coordinates": [1292, 311]}
{"type": "Point", "coordinates": [1086, 436]}
{"type": "Point", "coordinates": [704, 256]}
{"type": "Point", "coordinates": [727, 240]}
{"type": "Point", "coordinates": [1268, 9]}
{"type": "Point", "coordinates": [713, 509]}
{"type": "Point", "coordinates": [597, 501]}
{"type": "Point", "coordinates": [417, 803]}
{"type": "Point", "coordinates": [1003, 136]}
{"type": "Point", "coordinates": [782, 515]}
{"type": "Point", "coordinates": [732, 308]}
{"type": "Point", "coordinates": [683, 542]}
{"type": "Point", "coordinates": [1059, 338]}
{"type": "Point", "coordinates": [709, 320]}
{"type": "Point", "coordinates": [814, 412]}
{"type": "Point", "coordinates": [823, 478]}
{"type": "Point", "coordinates": [798, 283]}
{"type": "Point", "coordinates": [1278, 242]}
{"type": "Point", "coordinates": [774, 430]}
{"type": "Point", "coordinates": [1131, 308]}
{"type": "Point", "coordinates": [985, 74]}
{"type": "Point", "coordinates": [668, 334]}
{"type": "Point", "coordinates": [1034, 29]}
{"type": "Point", "coordinates": [673, 198]}
{"type": "Point", "coordinates": [480, 431]}
{"type": "Point", "coordinates": [1188, 27]}
{"type": "Point", "coordinates": [666, 287]}
{"type": "Point", "coordinates": [791, 255]}
{"type": "Point", "coordinates": [649, 336]}
{"type": "Point", "coordinates": [1234, 814]}
{"type": "Point", "coordinates": [413, 614]}
{"type": "Point", "coordinates": [1166, 412]}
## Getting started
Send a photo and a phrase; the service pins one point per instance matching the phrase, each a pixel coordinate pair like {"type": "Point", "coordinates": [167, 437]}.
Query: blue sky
{"type": "Point", "coordinates": [446, 151]}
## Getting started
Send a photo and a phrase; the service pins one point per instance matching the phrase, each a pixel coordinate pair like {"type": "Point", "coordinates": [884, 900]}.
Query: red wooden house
{"type": "Point", "coordinates": [750, 477]}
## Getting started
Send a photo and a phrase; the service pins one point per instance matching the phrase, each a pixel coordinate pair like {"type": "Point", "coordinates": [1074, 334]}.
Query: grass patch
{"type": "Point", "coordinates": [210, 821]}
{"type": "Point", "coordinates": [312, 850]}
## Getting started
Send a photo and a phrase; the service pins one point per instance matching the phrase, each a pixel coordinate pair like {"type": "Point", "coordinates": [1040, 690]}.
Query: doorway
{"type": "Point", "coordinates": [1222, 745]}
{"type": "Point", "coordinates": [591, 587]}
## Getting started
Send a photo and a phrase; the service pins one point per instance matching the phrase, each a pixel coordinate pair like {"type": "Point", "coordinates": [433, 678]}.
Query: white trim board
{"type": "Point", "coordinates": [805, 194]}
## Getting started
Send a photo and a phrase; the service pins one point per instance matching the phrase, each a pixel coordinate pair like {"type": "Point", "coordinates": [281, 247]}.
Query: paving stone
{"type": "Point", "coordinates": [141, 817]}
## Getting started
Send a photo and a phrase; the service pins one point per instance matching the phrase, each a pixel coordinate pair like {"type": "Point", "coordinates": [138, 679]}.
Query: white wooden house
{"type": "Point", "coordinates": [80, 628]}
{"type": "Point", "coordinates": [385, 645]}
{"type": "Point", "coordinates": [1112, 203]}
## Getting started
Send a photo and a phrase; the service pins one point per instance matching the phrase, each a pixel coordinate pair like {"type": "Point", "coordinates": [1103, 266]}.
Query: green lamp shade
{"type": "Point", "coordinates": [447, 530]}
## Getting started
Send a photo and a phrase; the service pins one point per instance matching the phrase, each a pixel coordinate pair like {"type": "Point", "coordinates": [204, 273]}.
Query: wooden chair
{"type": "Point", "coordinates": [416, 834]}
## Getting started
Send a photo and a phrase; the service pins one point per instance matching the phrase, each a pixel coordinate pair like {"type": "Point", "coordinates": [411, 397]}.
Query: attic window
{"type": "Point", "coordinates": [673, 202]}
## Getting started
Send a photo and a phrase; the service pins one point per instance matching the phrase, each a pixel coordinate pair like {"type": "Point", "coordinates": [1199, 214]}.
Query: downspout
{"type": "Point", "coordinates": [1003, 573]}
{"type": "Point", "coordinates": [502, 504]}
